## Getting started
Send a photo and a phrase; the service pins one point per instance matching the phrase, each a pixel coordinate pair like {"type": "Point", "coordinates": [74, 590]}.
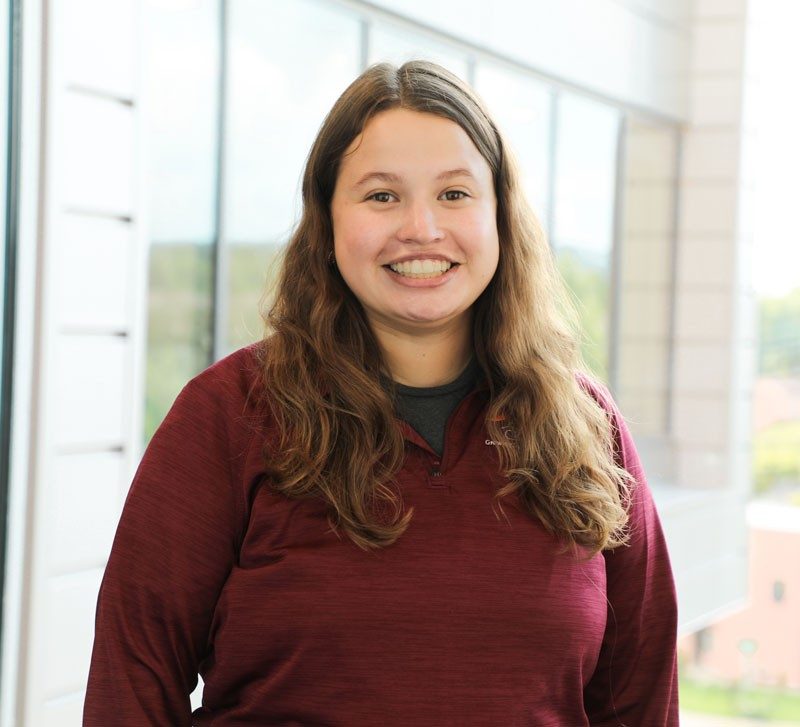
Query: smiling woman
{"type": "Point", "coordinates": [318, 529]}
{"type": "Point", "coordinates": [416, 245]}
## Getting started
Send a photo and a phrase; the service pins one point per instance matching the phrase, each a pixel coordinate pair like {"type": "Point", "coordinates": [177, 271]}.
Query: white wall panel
{"type": "Point", "coordinates": [715, 100]}
{"type": "Point", "coordinates": [704, 315]}
{"type": "Point", "coordinates": [649, 209]}
{"type": "Point", "coordinates": [63, 711]}
{"type": "Point", "coordinates": [643, 314]}
{"type": "Point", "coordinates": [702, 367]}
{"type": "Point", "coordinates": [650, 155]}
{"type": "Point", "coordinates": [716, 47]}
{"type": "Point", "coordinates": [68, 630]}
{"type": "Point", "coordinates": [706, 260]}
{"type": "Point", "coordinates": [711, 154]}
{"type": "Point", "coordinates": [98, 45]}
{"type": "Point", "coordinates": [701, 468]}
{"type": "Point", "coordinates": [85, 505]}
{"type": "Point", "coordinates": [94, 256]}
{"type": "Point", "coordinates": [702, 419]}
{"type": "Point", "coordinates": [708, 207]}
{"type": "Point", "coordinates": [647, 262]}
{"type": "Point", "coordinates": [649, 363]}
{"type": "Point", "coordinates": [91, 385]}
{"type": "Point", "coordinates": [96, 138]}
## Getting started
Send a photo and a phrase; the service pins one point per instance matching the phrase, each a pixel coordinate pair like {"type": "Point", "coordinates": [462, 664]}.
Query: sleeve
{"type": "Point", "coordinates": [635, 681]}
{"type": "Point", "coordinates": [175, 544]}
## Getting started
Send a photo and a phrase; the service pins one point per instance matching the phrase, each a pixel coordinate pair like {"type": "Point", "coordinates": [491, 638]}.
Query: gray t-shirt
{"type": "Point", "coordinates": [428, 408]}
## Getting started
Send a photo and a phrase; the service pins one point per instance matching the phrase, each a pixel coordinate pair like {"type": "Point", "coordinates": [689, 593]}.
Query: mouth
{"type": "Point", "coordinates": [420, 269]}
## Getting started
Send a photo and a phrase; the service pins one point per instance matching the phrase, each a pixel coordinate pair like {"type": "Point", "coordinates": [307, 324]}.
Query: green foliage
{"type": "Point", "coordinates": [776, 451]}
{"type": "Point", "coordinates": [776, 455]}
{"type": "Point", "coordinates": [589, 286]}
{"type": "Point", "coordinates": [779, 335]}
{"type": "Point", "coordinates": [179, 324]}
{"type": "Point", "coordinates": [736, 701]}
{"type": "Point", "coordinates": [250, 267]}
{"type": "Point", "coordinates": [180, 314]}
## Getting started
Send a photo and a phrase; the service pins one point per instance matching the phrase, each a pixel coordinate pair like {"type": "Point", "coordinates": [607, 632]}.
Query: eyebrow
{"type": "Point", "coordinates": [396, 178]}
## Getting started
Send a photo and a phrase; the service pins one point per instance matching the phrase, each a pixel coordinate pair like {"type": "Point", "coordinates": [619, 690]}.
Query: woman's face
{"type": "Point", "coordinates": [414, 221]}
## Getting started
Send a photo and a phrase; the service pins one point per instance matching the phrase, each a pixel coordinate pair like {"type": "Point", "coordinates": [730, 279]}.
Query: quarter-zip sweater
{"type": "Point", "coordinates": [470, 618]}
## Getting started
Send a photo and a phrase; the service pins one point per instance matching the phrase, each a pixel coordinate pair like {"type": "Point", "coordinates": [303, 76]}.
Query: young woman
{"type": "Point", "coordinates": [409, 504]}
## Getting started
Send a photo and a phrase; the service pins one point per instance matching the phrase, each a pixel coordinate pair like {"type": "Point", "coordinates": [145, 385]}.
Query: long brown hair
{"type": "Point", "coordinates": [322, 367]}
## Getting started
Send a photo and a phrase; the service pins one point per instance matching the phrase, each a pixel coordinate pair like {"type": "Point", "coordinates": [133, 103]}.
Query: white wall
{"type": "Point", "coordinates": [715, 336]}
{"type": "Point", "coordinates": [85, 293]}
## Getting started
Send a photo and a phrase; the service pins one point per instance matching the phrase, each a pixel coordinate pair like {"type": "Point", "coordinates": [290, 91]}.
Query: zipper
{"type": "Point", "coordinates": [437, 469]}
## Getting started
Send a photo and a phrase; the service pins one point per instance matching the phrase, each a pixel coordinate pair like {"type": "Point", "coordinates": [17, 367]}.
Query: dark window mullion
{"type": "Point", "coordinates": [11, 141]}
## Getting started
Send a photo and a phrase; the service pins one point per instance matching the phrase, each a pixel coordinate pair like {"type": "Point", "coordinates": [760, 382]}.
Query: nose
{"type": "Point", "coordinates": [418, 223]}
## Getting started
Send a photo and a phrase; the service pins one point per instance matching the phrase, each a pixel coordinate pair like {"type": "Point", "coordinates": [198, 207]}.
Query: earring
{"type": "Point", "coordinates": [331, 259]}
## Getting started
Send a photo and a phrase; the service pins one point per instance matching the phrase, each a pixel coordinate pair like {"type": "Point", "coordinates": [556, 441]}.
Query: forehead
{"type": "Point", "coordinates": [401, 139]}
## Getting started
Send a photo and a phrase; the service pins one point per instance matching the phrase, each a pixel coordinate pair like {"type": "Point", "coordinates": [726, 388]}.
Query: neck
{"type": "Point", "coordinates": [430, 358]}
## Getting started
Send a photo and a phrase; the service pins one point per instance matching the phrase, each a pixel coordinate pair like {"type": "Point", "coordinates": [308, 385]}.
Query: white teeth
{"type": "Point", "coordinates": [421, 268]}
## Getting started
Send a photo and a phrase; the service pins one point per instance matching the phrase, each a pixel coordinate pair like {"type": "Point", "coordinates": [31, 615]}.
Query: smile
{"type": "Point", "coordinates": [425, 268]}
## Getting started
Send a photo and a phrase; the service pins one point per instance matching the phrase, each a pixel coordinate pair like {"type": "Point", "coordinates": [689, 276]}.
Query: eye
{"type": "Point", "coordinates": [376, 195]}
{"type": "Point", "coordinates": [455, 191]}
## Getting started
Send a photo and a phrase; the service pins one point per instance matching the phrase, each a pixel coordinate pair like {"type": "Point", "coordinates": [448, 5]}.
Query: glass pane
{"type": "Point", "coordinates": [181, 63]}
{"type": "Point", "coordinates": [583, 219]}
{"type": "Point", "coordinates": [645, 274]}
{"type": "Point", "coordinates": [521, 107]}
{"type": "Point", "coordinates": [388, 43]}
{"type": "Point", "coordinates": [288, 63]}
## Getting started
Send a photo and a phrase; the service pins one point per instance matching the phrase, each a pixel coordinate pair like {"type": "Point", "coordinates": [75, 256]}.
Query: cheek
{"type": "Point", "coordinates": [354, 236]}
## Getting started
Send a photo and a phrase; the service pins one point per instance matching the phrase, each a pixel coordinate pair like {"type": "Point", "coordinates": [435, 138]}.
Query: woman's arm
{"type": "Point", "coordinates": [175, 544]}
{"type": "Point", "coordinates": [635, 682]}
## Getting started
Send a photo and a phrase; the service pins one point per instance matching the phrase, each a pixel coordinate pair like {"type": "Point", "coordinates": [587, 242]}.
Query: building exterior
{"type": "Point", "coordinates": [760, 643]}
{"type": "Point", "coordinates": [175, 130]}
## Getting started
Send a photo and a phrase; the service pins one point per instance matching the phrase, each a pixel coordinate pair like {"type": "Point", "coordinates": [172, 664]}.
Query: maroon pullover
{"type": "Point", "coordinates": [466, 620]}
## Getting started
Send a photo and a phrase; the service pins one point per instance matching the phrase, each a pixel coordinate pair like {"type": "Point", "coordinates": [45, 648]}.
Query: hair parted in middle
{"type": "Point", "coordinates": [325, 376]}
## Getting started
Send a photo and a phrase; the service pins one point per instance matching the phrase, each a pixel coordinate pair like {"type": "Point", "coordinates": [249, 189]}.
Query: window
{"type": "Point", "coordinates": [583, 216]}
{"type": "Point", "coordinates": [181, 55]}
{"type": "Point", "coordinates": [522, 108]}
{"type": "Point", "coordinates": [396, 45]}
{"type": "Point", "coordinates": [288, 62]}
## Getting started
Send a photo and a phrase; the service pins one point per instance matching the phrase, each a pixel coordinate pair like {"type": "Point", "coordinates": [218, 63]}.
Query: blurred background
{"type": "Point", "coordinates": [152, 152]}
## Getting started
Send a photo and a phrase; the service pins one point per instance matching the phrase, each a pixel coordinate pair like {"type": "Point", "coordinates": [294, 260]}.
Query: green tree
{"type": "Point", "coordinates": [779, 335]}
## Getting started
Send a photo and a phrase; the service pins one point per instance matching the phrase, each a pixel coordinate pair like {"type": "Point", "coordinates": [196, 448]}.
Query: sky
{"type": "Point", "coordinates": [776, 258]}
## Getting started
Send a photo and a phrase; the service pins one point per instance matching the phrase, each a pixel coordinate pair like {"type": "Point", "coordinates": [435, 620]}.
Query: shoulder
{"type": "Point", "coordinates": [240, 369]}
{"type": "Point", "coordinates": [624, 446]}
{"type": "Point", "coordinates": [223, 404]}
{"type": "Point", "coordinates": [597, 390]}
{"type": "Point", "coordinates": [232, 383]}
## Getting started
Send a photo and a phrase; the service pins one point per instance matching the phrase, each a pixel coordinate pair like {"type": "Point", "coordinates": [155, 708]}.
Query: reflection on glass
{"type": "Point", "coordinates": [645, 275]}
{"type": "Point", "coordinates": [397, 46]}
{"type": "Point", "coordinates": [181, 61]}
{"type": "Point", "coordinates": [583, 219]}
{"type": "Point", "coordinates": [288, 62]}
{"type": "Point", "coordinates": [521, 107]}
